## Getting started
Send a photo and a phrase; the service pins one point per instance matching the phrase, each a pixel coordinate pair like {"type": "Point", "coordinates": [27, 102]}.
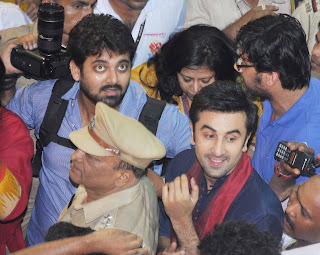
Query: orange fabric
{"type": "Point", "coordinates": [16, 152]}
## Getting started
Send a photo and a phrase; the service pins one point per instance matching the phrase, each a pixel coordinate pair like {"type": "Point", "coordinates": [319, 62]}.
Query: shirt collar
{"type": "Point", "coordinates": [96, 209]}
{"type": "Point", "coordinates": [288, 118]}
{"type": "Point", "coordinates": [72, 93]}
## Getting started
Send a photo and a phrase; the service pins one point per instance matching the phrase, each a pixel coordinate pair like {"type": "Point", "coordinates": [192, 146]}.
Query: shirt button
{"type": "Point", "coordinates": [195, 218]}
{"type": "Point", "coordinates": [197, 211]}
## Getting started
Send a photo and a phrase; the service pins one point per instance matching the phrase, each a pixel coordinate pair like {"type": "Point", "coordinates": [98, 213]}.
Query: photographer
{"type": "Point", "coordinates": [102, 73]}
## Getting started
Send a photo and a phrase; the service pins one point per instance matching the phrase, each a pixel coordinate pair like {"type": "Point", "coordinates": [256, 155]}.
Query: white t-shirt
{"type": "Point", "coordinates": [12, 16]}
{"type": "Point", "coordinates": [222, 13]}
{"type": "Point", "coordinates": [163, 18]}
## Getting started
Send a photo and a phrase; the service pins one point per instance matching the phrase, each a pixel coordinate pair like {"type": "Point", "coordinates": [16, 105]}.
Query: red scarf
{"type": "Point", "coordinates": [219, 205]}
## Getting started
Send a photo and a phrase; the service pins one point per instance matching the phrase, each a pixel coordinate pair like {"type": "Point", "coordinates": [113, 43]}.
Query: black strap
{"type": "Point", "coordinates": [52, 120]}
{"type": "Point", "coordinates": [151, 114]}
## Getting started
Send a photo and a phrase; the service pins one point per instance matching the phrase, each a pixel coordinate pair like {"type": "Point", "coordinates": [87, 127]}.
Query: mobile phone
{"type": "Point", "coordinates": [305, 162]}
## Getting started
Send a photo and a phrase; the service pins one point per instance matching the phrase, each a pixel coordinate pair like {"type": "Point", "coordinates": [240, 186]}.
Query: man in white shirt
{"type": "Point", "coordinates": [151, 22]}
{"type": "Point", "coordinates": [230, 15]}
{"type": "Point", "coordinates": [12, 16]}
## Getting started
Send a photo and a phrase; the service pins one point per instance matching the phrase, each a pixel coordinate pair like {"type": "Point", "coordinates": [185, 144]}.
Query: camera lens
{"type": "Point", "coordinates": [50, 28]}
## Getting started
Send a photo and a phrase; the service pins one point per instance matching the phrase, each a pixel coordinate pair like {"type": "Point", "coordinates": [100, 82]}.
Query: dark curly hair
{"type": "Point", "coordinates": [199, 46]}
{"type": "Point", "coordinates": [277, 44]}
{"type": "Point", "coordinates": [225, 97]}
{"type": "Point", "coordinates": [96, 33]}
{"type": "Point", "coordinates": [239, 238]}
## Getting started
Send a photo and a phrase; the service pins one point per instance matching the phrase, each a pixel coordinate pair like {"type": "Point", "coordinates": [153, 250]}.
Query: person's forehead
{"type": "Point", "coordinates": [72, 2]}
{"type": "Point", "coordinates": [109, 57]}
{"type": "Point", "coordinates": [223, 121]}
{"type": "Point", "coordinates": [309, 196]}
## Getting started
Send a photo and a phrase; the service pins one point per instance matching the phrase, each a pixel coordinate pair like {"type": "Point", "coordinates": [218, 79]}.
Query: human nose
{"type": "Point", "coordinates": [77, 155]}
{"type": "Point", "coordinates": [218, 148]}
{"type": "Point", "coordinates": [112, 76]}
{"type": "Point", "coordinates": [86, 11]}
{"type": "Point", "coordinates": [195, 87]}
{"type": "Point", "coordinates": [292, 208]}
{"type": "Point", "coordinates": [316, 50]}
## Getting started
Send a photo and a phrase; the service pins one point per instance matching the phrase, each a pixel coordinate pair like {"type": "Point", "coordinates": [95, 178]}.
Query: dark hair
{"type": "Point", "coordinates": [138, 172]}
{"type": "Point", "coordinates": [63, 230]}
{"type": "Point", "coordinates": [198, 45]}
{"type": "Point", "coordinates": [239, 238]}
{"type": "Point", "coordinates": [277, 44]}
{"type": "Point", "coordinates": [96, 33]}
{"type": "Point", "coordinates": [226, 97]}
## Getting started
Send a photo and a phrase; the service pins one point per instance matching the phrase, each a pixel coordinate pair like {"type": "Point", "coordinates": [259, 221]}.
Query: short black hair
{"type": "Point", "coordinates": [63, 230]}
{"type": "Point", "coordinates": [123, 165]}
{"type": "Point", "coordinates": [96, 33]}
{"type": "Point", "coordinates": [225, 97]}
{"type": "Point", "coordinates": [277, 44]}
{"type": "Point", "coordinates": [239, 238]}
{"type": "Point", "coordinates": [199, 45]}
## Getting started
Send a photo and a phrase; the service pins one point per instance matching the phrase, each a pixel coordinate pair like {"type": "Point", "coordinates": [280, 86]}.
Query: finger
{"type": "Point", "coordinates": [318, 160]}
{"type": "Point", "coordinates": [291, 171]}
{"type": "Point", "coordinates": [269, 8]}
{"type": "Point", "coordinates": [194, 190]}
{"type": "Point", "coordinates": [18, 2]}
{"type": "Point", "coordinates": [303, 147]}
{"type": "Point", "coordinates": [171, 192]}
{"type": "Point", "coordinates": [32, 12]}
{"type": "Point", "coordinates": [171, 248]}
{"type": "Point", "coordinates": [165, 193]}
{"type": "Point", "coordinates": [177, 188]}
{"type": "Point", "coordinates": [144, 250]}
{"type": "Point", "coordinates": [185, 185]}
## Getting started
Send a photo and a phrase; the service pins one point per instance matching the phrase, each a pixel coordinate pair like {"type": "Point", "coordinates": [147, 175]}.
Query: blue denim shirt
{"type": "Point", "coordinates": [55, 189]}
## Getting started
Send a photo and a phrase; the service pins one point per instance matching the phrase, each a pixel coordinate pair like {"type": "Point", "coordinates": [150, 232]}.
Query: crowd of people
{"type": "Point", "coordinates": [160, 139]}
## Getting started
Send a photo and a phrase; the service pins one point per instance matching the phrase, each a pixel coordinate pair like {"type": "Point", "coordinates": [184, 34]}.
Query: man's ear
{"type": "Point", "coordinates": [272, 78]}
{"type": "Point", "coordinates": [245, 144]}
{"type": "Point", "coordinates": [192, 139]}
{"type": "Point", "coordinates": [123, 177]}
{"type": "Point", "coordinates": [75, 71]}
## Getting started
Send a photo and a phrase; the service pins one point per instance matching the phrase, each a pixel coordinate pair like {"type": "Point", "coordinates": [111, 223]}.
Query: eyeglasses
{"type": "Point", "coordinates": [238, 65]}
{"type": "Point", "coordinates": [244, 66]}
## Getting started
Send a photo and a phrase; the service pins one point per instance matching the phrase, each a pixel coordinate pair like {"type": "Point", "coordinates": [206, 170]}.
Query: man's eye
{"type": "Point", "coordinates": [100, 68]}
{"type": "Point", "coordinates": [123, 67]}
{"type": "Point", "coordinates": [231, 139]}
{"type": "Point", "coordinates": [78, 6]}
{"type": "Point", "coordinates": [209, 136]}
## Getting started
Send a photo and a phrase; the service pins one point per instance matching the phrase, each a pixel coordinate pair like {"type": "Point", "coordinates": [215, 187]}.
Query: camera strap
{"type": "Point", "coordinates": [56, 109]}
{"type": "Point", "coordinates": [52, 120]}
{"type": "Point", "coordinates": [140, 33]}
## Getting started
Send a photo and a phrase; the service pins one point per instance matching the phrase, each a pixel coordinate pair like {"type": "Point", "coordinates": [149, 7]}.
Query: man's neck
{"type": "Point", "coordinates": [283, 99]}
{"type": "Point", "coordinates": [129, 16]}
{"type": "Point", "coordinates": [94, 194]}
{"type": "Point", "coordinates": [86, 108]}
{"type": "Point", "coordinates": [65, 39]}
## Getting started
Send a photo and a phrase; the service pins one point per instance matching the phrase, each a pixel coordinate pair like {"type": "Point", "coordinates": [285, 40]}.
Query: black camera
{"type": "Point", "coordinates": [50, 60]}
